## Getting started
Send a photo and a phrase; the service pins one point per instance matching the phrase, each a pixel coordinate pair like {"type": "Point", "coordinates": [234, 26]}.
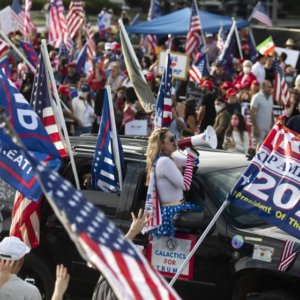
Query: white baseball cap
{"type": "Point", "coordinates": [13, 248]}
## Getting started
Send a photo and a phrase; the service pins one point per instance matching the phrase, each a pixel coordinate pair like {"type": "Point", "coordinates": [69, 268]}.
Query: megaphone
{"type": "Point", "coordinates": [208, 139]}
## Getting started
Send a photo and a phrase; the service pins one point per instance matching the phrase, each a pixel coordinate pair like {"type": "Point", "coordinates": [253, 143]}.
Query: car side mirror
{"type": "Point", "coordinates": [192, 220]}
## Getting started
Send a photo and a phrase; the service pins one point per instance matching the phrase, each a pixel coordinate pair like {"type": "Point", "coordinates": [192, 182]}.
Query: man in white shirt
{"type": "Point", "coordinates": [258, 69]}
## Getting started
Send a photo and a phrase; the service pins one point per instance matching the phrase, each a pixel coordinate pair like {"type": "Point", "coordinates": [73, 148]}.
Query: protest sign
{"type": "Point", "coordinates": [179, 65]}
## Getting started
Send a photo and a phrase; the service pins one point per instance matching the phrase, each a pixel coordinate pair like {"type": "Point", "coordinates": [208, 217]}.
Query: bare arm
{"type": "Point", "coordinates": [61, 283]}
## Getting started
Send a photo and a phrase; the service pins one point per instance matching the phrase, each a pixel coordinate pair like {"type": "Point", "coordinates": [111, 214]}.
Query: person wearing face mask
{"type": "Point", "coordinates": [236, 136]}
{"type": "Point", "coordinates": [222, 120]}
{"type": "Point", "coordinates": [83, 109]}
{"type": "Point", "coordinates": [261, 108]}
{"type": "Point", "coordinates": [246, 77]}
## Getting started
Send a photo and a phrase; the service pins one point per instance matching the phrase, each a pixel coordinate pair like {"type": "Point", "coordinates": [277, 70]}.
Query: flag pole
{"type": "Point", "coordinates": [115, 141]}
{"type": "Point", "coordinates": [17, 51]}
{"type": "Point", "coordinates": [58, 104]}
{"type": "Point", "coordinates": [202, 237]}
{"type": "Point", "coordinates": [238, 38]}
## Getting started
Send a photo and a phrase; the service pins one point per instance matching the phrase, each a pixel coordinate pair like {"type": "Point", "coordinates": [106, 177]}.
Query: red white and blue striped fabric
{"type": "Point", "coordinates": [289, 253]}
{"type": "Point", "coordinates": [75, 18]}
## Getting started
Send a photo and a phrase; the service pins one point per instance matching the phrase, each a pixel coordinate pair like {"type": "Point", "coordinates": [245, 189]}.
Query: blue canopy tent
{"type": "Point", "coordinates": [178, 23]}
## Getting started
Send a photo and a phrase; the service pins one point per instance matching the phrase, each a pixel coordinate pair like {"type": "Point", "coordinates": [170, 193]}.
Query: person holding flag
{"type": "Point", "coordinates": [166, 183]}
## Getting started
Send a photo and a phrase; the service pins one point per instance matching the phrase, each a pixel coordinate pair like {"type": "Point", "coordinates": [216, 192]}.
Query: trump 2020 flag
{"type": "Point", "coordinates": [270, 186]}
{"type": "Point", "coordinates": [163, 109]}
{"type": "Point", "coordinates": [199, 70]}
{"type": "Point", "coordinates": [15, 169]}
{"type": "Point", "coordinates": [29, 52]}
{"type": "Point", "coordinates": [106, 173]}
{"type": "Point", "coordinates": [99, 242]}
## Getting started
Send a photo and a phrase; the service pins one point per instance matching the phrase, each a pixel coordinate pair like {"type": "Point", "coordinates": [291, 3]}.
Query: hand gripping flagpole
{"type": "Point", "coordinates": [58, 103]}
{"type": "Point", "coordinates": [202, 237]}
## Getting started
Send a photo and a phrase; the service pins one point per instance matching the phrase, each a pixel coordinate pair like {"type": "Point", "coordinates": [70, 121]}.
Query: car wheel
{"type": "Point", "coordinates": [35, 268]}
{"type": "Point", "coordinates": [271, 295]}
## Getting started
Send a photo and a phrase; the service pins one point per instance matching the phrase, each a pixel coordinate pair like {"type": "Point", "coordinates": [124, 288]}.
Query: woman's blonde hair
{"type": "Point", "coordinates": [154, 148]}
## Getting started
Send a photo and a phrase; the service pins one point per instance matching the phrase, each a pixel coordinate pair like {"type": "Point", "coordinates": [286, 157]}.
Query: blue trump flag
{"type": "Point", "coordinates": [270, 186]}
{"type": "Point", "coordinates": [15, 169]}
{"type": "Point", "coordinates": [81, 59]}
{"type": "Point", "coordinates": [105, 175]}
{"type": "Point", "coordinates": [30, 53]}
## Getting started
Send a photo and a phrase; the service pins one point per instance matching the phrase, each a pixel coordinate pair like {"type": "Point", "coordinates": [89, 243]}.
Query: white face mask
{"type": "Point", "coordinates": [246, 70]}
{"type": "Point", "coordinates": [218, 107]}
{"type": "Point", "coordinates": [83, 95]}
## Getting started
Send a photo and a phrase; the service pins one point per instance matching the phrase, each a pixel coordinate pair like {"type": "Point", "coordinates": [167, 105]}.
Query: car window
{"type": "Point", "coordinates": [221, 183]}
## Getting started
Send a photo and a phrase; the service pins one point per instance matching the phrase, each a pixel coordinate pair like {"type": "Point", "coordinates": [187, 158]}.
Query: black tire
{"type": "Point", "coordinates": [271, 295]}
{"type": "Point", "coordinates": [35, 267]}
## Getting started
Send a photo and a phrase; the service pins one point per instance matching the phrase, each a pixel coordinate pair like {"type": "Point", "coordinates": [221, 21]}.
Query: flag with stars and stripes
{"type": "Point", "coordinates": [289, 254]}
{"type": "Point", "coordinates": [154, 12]}
{"type": "Point", "coordinates": [221, 38]}
{"type": "Point", "coordinates": [193, 39]}
{"type": "Point", "coordinates": [281, 91]}
{"type": "Point", "coordinates": [89, 33]}
{"type": "Point", "coordinates": [260, 14]}
{"type": "Point", "coordinates": [163, 109]}
{"type": "Point", "coordinates": [41, 103]}
{"type": "Point", "coordinates": [75, 18]}
{"type": "Point", "coordinates": [63, 51]}
{"type": "Point", "coordinates": [199, 70]}
{"type": "Point", "coordinates": [98, 240]}
{"type": "Point", "coordinates": [81, 59]}
{"type": "Point", "coordinates": [29, 52]}
{"type": "Point", "coordinates": [105, 175]}
{"type": "Point", "coordinates": [58, 31]}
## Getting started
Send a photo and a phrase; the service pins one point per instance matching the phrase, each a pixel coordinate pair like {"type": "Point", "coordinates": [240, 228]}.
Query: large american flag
{"type": "Point", "coordinates": [25, 222]}
{"type": "Point", "coordinates": [259, 13]}
{"type": "Point", "coordinates": [99, 242]}
{"type": "Point", "coordinates": [199, 70]}
{"type": "Point", "coordinates": [163, 109]}
{"type": "Point", "coordinates": [40, 100]}
{"type": "Point", "coordinates": [194, 40]}
{"type": "Point", "coordinates": [154, 12]}
{"type": "Point", "coordinates": [75, 18]}
{"type": "Point", "coordinates": [57, 24]}
{"type": "Point", "coordinates": [280, 87]}
{"type": "Point", "coordinates": [105, 175]}
{"type": "Point", "coordinates": [4, 48]}
{"type": "Point", "coordinates": [289, 253]}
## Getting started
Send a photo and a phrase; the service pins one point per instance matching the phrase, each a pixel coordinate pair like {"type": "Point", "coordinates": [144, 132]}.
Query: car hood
{"type": "Point", "coordinates": [272, 232]}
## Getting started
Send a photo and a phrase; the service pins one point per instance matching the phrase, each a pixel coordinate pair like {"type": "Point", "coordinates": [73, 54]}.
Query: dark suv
{"type": "Point", "coordinates": [238, 259]}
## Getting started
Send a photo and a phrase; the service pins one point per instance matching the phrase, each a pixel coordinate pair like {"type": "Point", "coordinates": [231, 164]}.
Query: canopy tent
{"type": "Point", "coordinates": [178, 23]}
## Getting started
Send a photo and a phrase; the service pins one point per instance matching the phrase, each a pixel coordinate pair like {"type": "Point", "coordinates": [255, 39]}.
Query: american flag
{"type": "Point", "coordinates": [19, 17]}
{"type": "Point", "coordinates": [29, 52]}
{"type": "Point", "coordinates": [4, 48]}
{"type": "Point", "coordinates": [163, 109]}
{"type": "Point", "coordinates": [221, 38]}
{"type": "Point", "coordinates": [25, 222]}
{"type": "Point", "coordinates": [57, 24]}
{"type": "Point", "coordinates": [99, 242]}
{"type": "Point", "coordinates": [40, 100]}
{"type": "Point", "coordinates": [27, 19]}
{"type": "Point", "coordinates": [259, 13]}
{"type": "Point", "coordinates": [280, 87]}
{"type": "Point", "coordinates": [289, 253]}
{"type": "Point", "coordinates": [75, 18]}
{"type": "Point", "coordinates": [90, 40]}
{"type": "Point", "coordinates": [63, 51]}
{"type": "Point", "coordinates": [199, 70]}
{"type": "Point", "coordinates": [194, 40]}
{"type": "Point", "coordinates": [105, 175]}
{"type": "Point", "coordinates": [154, 12]}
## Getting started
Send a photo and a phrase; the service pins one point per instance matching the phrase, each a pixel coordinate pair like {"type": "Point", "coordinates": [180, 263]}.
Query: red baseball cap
{"type": "Point", "coordinates": [208, 84]}
{"type": "Point", "coordinates": [64, 90]}
{"type": "Point", "coordinates": [231, 92]}
{"type": "Point", "coordinates": [72, 64]}
{"type": "Point", "coordinates": [226, 85]}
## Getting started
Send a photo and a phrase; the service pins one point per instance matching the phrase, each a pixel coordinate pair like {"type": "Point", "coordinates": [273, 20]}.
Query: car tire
{"type": "Point", "coordinates": [35, 267]}
{"type": "Point", "coordinates": [271, 295]}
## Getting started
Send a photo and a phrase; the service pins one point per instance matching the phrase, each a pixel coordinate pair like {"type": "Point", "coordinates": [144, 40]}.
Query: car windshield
{"type": "Point", "coordinates": [221, 184]}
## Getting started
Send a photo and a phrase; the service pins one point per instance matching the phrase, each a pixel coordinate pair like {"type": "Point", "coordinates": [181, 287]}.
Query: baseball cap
{"type": "Point", "coordinates": [84, 87]}
{"type": "Point", "coordinates": [231, 92]}
{"type": "Point", "coordinates": [13, 248]}
{"type": "Point", "coordinates": [64, 90]}
{"type": "Point", "coordinates": [208, 84]}
{"type": "Point", "coordinates": [226, 85]}
{"type": "Point", "coordinates": [72, 64]}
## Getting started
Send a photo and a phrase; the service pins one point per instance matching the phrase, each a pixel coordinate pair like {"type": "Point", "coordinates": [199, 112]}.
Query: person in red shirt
{"type": "Point", "coordinates": [97, 78]}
